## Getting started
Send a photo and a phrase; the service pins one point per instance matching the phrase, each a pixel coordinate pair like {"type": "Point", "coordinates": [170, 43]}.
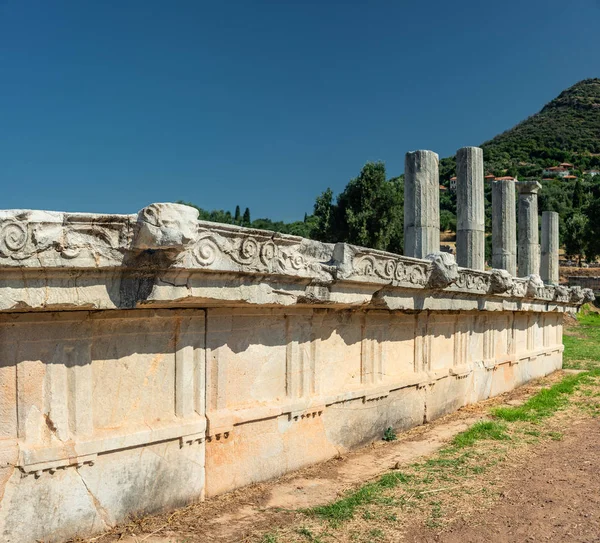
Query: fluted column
{"type": "Point", "coordinates": [470, 232]}
{"type": "Point", "coordinates": [528, 253]}
{"type": "Point", "coordinates": [504, 226]}
{"type": "Point", "coordinates": [550, 244]}
{"type": "Point", "coordinates": [421, 204]}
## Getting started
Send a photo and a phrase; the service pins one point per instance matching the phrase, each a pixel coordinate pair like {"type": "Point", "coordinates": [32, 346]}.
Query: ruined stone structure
{"type": "Point", "coordinates": [151, 360]}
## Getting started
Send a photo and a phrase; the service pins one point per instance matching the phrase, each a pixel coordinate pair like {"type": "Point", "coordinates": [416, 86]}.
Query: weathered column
{"type": "Point", "coordinates": [528, 254]}
{"type": "Point", "coordinates": [421, 204]}
{"type": "Point", "coordinates": [550, 243]}
{"type": "Point", "coordinates": [470, 231]}
{"type": "Point", "coordinates": [504, 226]}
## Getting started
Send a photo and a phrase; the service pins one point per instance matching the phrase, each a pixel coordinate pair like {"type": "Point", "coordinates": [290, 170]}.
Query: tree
{"type": "Point", "coordinates": [370, 212]}
{"type": "Point", "coordinates": [578, 195]}
{"type": "Point", "coordinates": [575, 239]}
{"type": "Point", "coordinates": [246, 219]}
{"type": "Point", "coordinates": [447, 221]}
{"type": "Point", "coordinates": [323, 213]}
{"type": "Point", "coordinates": [237, 216]}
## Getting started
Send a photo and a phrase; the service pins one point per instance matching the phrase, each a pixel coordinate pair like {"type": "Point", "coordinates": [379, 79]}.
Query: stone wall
{"type": "Point", "coordinates": [153, 360]}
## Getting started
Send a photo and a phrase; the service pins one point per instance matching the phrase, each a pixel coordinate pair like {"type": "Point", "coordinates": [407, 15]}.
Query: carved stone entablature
{"type": "Point", "coordinates": [562, 294]}
{"type": "Point", "coordinates": [476, 282]}
{"type": "Point", "coordinates": [444, 270]}
{"type": "Point", "coordinates": [534, 286]}
{"type": "Point", "coordinates": [31, 238]}
{"type": "Point", "coordinates": [519, 287]}
{"type": "Point", "coordinates": [380, 267]}
{"type": "Point", "coordinates": [166, 226]}
{"type": "Point", "coordinates": [577, 295]}
{"type": "Point", "coordinates": [254, 251]}
{"type": "Point", "coordinates": [547, 292]}
{"type": "Point", "coordinates": [501, 282]}
{"type": "Point", "coordinates": [160, 252]}
{"type": "Point", "coordinates": [588, 295]}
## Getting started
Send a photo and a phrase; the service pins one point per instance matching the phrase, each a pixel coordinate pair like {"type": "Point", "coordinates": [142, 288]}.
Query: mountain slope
{"type": "Point", "coordinates": [567, 129]}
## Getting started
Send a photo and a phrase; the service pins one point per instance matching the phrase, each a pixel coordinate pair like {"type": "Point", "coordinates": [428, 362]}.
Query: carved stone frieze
{"type": "Point", "coordinates": [501, 281]}
{"type": "Point", "coordinates": [534, 286]}
{"type": "Point", "coordinates": [577, 295]}
{"type": "Point", "coordinates": [562, 293]}
{"type": "Point", "coordinates": [588, 295]}
{"type": "Point", "coordinates": [444, 270]}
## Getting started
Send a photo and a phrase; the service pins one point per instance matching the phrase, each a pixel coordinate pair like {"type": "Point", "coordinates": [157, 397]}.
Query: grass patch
{"type": "Point", "coordinates": [487, 429]}
{"type": "Point", "coordinates": [547, 401]}
{"type": "Point", "coordinates": [582, 344]}
{"type": "Point", "coordinates": [344, 508]}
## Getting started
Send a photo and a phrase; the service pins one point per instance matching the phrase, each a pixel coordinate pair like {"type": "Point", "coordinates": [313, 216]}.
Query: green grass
{"type": "Point", "coordinates": [582, 345]}
{"type": "Point", "coordinates": [344, 508]}
{"type": "Point", "coordinates": [486, 429]}
{"type": "Point", "coordinates": [546, 402]}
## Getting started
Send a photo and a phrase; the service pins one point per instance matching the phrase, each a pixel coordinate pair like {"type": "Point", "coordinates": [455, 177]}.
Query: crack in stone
{"type": "Point", "coordinates": [102, 512]}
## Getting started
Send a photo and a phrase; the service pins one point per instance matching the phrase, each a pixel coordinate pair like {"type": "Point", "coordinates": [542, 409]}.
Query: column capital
{"type": "Point", "coordinates": [528, 187]}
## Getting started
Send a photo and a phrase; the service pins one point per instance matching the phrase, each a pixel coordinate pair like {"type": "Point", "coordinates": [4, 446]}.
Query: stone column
{"type": "Point", "coordinates": [550, 243]}
{"type": "Point", "coordinates": [528, 245]}
{"type": "Point", "coordinates": [470, 232]}
{"type": "Point", "coordinates": [504, 226]}
{"type": "Point", "coordinates": [421, 204]}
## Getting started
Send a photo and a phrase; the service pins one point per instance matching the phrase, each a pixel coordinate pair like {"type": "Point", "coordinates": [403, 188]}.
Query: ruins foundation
{"type": "Point", "coordinates": [152, 360]}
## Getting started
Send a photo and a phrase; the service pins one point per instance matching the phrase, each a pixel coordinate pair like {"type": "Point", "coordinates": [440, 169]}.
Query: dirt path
{"type": "Point", "coordinates": [554, 497]}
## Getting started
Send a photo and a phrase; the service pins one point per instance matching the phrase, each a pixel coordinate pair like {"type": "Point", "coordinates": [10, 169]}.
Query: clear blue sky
{"type": "Point", "coordinates": [109, 105]}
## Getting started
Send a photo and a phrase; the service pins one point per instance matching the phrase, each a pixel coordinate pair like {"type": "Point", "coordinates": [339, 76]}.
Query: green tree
{"type": "Point", "coordinates": [323, 214]}
{"type": "Point", "coordinates": [578, 195]}
{"type": "Point", "coordinates": [369, 212]}
{"type": "Point", "coordinates": [575, 235]}
{"type": "Point", "coordinates": [246, 219]}
{"type": "Point", "coordinates": [237, 216]}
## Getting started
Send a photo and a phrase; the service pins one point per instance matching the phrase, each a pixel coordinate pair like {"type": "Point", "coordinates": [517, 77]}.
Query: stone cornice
{"type": "Point", "coordinates": [161, 255]}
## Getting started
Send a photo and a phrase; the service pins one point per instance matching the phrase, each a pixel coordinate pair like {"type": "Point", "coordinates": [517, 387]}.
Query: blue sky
{"type": "Point", "coordinates": [109, 105]}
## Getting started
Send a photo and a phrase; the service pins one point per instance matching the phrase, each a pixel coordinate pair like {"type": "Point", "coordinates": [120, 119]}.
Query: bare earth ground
{"type": "Point", "coordinates": [555, 496]}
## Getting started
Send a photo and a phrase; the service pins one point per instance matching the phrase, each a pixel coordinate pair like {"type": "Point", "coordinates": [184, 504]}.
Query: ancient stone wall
{"type": "Point", "coordinates": [152, 360]}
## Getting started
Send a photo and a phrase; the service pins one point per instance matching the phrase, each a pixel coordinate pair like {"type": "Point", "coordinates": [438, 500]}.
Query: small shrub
{"type": "Point", "coordinates": [389, 434]}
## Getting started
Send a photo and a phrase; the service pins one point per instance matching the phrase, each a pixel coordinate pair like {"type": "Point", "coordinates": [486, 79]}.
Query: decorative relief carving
{"type": "Point", "coordinates": [546, 292]}
{"type": "Point", "coordinates": [562, 293]}
{"type": "Point", "coordinates": [519, 287]}
{"type": "Point", "coordinates": [577, 295]}
{"type": "Point", "coordinates": [444, 270]}
{"type": "Point", "coordinates": [588, 295]}
{"type": "Point", "coordinates": [534, 286]}
{"type": "Point", "coordinates": [166, 226]}
{"type": "Point", "coordinates": [23, 237]}
{"type": "Point", "coordinates": [393, 270]}
{"type": "Point", "coordinates": [501, 281]}
{"type": "Point", "coordinates": [473, 280]}
{"type": "Point", "coordinates": [13, 238]}
{"type": "Point", "coordinates": [45, 239]}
